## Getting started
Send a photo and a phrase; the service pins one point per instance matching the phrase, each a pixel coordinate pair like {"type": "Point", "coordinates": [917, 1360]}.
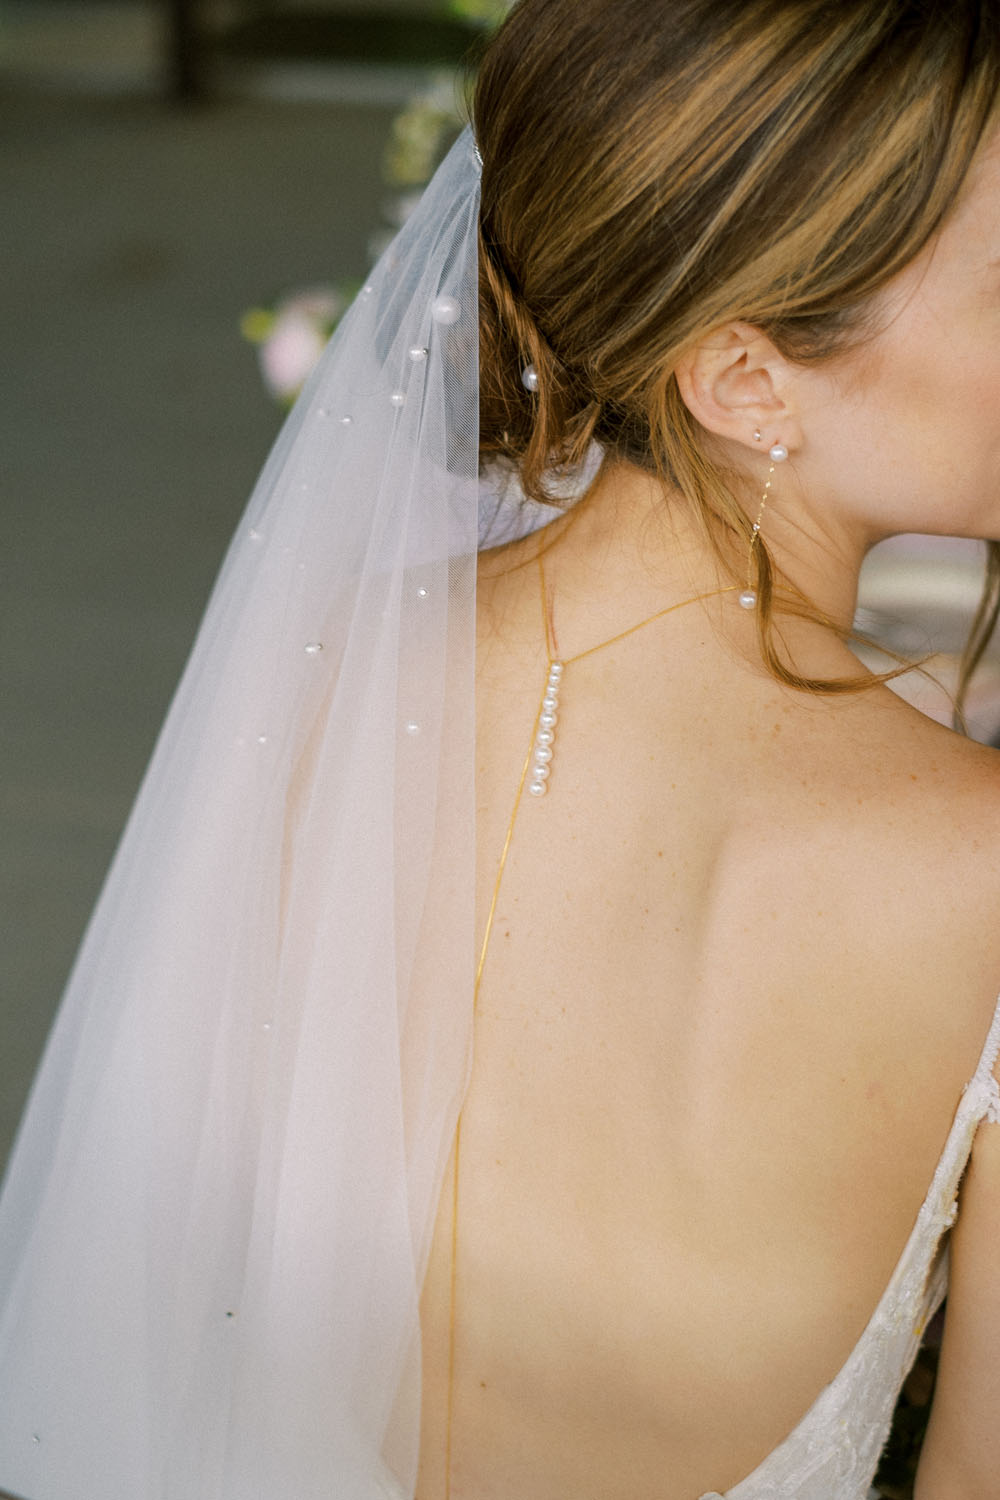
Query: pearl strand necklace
{"type": "Point", "coordinates": [548, 714]}
{"type": "Point", "coordinates": [535, 775]}
{"type": "Point", "coordinates": [545, 733]}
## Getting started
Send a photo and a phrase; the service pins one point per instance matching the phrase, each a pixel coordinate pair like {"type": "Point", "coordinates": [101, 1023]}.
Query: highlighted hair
{"type": "Point", "coordinates": [656, 168]}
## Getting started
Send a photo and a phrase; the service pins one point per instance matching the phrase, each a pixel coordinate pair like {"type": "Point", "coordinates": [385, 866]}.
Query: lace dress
{"type": "Point", "coordinates": [833, 1452]}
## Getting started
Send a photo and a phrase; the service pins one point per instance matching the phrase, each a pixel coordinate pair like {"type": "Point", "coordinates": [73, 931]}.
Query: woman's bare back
{"type": "Point", "coordinates": [742, 963]}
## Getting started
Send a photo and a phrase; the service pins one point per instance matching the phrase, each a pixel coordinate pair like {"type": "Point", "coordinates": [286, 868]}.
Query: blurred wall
{"type": "Point", "coordinates": [132, 423]}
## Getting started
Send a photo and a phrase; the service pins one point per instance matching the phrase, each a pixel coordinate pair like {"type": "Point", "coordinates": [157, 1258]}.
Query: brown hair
{"type": "Point", "coordinates": [656, 168]}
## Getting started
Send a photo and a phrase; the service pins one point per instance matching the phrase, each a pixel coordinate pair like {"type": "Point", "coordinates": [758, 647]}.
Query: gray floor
{"type": "Point", "coordinates": [132, 421]}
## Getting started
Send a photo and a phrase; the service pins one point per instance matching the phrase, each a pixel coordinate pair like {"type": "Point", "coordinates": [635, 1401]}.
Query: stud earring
{"type": "Point", "coordinates": [777, 454]}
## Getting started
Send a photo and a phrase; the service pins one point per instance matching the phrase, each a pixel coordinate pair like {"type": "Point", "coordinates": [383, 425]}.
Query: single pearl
{"type": "Point", "coordinates": [421, 593]}
{"type": "Point", "coordinates": [555, 669]}
{"type": "Point", "coordinates": [413, 728]}
{"type": "Point", "coordinates": [544, 737]}
{"type": "Point", "coordinates": [529, 378]}
{"type": "Point", "coordinates": [398, 398]}
{"type": "Point", "coordinates": [346, 421]}
{"type": "Point", "coordinates": [778, 453]}
{"type": "Point", "coordinates": [446, 310]}
{"type": "Point", "coordinates": [550, 703]}
{"type": "Point", "coordinates": [536, 788]}
{"type": "Point", "coordinates": [418, 354]}
{"type": "Point", "coordinates": [366, 291]}
{"type": "Point", "coordinates": [547, 721]}
{"type": "Point", "coordinates": [543, 754]}
{"type": "Point", "coordinates": [256, 536]}
{"type": "Point", "coordinates": [314, 648]}
{"type": "Point", "coordinates": [748, 599]}
{"type": "Point", "coordinates": [541, 772]}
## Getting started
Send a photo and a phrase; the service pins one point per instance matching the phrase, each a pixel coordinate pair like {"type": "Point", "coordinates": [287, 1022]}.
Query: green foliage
{"type": "Point", "coordinates": [487, 13]}
{"type": "Point", "coordinates": [419, 135]}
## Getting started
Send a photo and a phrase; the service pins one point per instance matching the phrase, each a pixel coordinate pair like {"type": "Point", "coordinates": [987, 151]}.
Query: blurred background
{"type": "Point", "coordinates": [181, 179]}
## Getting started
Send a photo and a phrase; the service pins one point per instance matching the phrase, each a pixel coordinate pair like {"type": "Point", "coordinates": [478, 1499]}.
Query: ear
{"type": "Point", "coordinates": [735, 383]}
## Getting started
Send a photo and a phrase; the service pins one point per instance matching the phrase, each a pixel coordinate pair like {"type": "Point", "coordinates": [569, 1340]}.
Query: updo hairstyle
{"type": "Point", "coordinates": [653, 169]}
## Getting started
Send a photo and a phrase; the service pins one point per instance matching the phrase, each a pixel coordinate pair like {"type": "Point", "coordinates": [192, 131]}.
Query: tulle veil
{"type": "Point", "coordinates": [216, 1217]}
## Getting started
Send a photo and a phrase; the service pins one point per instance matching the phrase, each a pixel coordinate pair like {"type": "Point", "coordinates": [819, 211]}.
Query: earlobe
{"type": "Point", "coordinates": [736, 385]}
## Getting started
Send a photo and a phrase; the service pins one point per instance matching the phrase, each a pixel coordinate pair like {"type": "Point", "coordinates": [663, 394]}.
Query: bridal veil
{"type": "Point", "coordinates": [216, 1218]}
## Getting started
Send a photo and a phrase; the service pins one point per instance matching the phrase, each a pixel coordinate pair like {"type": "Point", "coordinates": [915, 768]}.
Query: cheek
{"type": "Point", "coordinates": [948, 380]}
{"type": "Point", "coordinates": [903, 434]}
{"type": "Point", "coordinates": [967, 430]}
{"type": "Point", "coordinates": [927, 422]}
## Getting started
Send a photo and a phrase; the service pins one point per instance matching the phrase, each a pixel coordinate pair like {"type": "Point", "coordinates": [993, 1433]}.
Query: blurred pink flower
{"type": "Point", "coordinates": [289, 354]}
{"type": "Point", "coordinates": [294, 338]}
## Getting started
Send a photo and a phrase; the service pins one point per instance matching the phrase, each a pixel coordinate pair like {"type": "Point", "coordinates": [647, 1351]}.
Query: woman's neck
{"type": "Point", "coordinates": [631, 548]}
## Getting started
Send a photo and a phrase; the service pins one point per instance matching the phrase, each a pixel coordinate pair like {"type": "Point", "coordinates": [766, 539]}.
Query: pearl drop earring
{"type": "Point", "coordinates": [777, 454]}
{"type": "Point", "coordinates": [529, 378]}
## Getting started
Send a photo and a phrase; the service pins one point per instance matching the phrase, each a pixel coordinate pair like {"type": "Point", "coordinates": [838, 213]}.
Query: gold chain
{"type": "Point", "coordinates": [551, 648]}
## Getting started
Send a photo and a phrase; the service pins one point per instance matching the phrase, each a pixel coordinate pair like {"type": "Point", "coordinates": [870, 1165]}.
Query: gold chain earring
{"type": "Point", "coordinates": [777, 454]}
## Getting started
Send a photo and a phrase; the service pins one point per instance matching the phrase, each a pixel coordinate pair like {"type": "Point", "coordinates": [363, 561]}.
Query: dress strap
{"type": "Point", "coordinates": [991, 1048]}
{"type": "Point", "coordinates": [985, 1076]}
{"type": "Point", "coordinates": [992, 1115]}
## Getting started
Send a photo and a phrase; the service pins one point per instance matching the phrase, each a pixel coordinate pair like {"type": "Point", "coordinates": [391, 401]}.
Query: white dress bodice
{"type": "Point", "coordinates": [833, 1452]}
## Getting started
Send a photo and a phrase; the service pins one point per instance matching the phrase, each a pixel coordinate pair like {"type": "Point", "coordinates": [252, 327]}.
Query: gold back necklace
{"type": "Point", "coordinates": [535, 774]}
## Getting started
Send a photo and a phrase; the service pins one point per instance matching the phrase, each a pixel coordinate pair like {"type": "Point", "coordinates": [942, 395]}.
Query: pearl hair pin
{"type": "Point", "coordinates": [777, 453]}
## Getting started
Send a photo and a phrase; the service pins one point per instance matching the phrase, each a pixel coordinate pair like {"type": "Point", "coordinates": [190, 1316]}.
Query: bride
{"type": "Point", "coordinates": [627, 1146]}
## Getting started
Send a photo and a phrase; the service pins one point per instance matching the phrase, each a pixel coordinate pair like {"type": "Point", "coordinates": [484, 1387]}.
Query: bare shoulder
{"type": "Point", "coordinates": [955, 798]}
{"type": "Point", "coordinates": [931, 797]}
{"type": "Point", "coordinates": [894, 822]}
{"type": "Point", "coordinates": [942, 795]}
